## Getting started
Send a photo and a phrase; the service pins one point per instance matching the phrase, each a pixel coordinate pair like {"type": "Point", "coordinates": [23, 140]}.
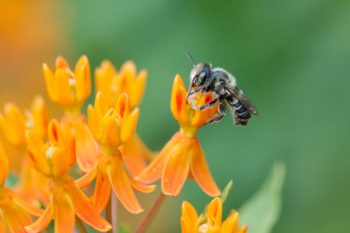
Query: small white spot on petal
{"type": "Point", "coordinates": [49, 152]}
{"type": "Point", "coordinates": [203, 228]}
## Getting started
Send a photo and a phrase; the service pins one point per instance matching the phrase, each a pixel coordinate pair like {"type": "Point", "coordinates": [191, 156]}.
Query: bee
{"type": "Point", "coordinates": [223, 85]}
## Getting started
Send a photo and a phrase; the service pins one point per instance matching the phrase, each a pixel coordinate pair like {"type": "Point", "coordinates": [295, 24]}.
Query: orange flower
{"type": "Point", "coordinates": [112, 127]}
{"type": "Point", "coordinates": [13, 210]}
{"type": "Point", "coordinates": [55, 160]}
{"type": "Point", "coordinates": [112, 84]}
{"type": "Point", "coordinates": [14, 123]}
{"type": "Point", "coordinates": [212, 222]}
{"type": "Point", "coordinates": [183, 156]}
{"type": "Point", "coordinates": [66, 88]}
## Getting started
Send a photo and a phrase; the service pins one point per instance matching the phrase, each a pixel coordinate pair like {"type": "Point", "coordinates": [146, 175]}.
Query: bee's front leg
{"type": "Point", "coordinates": [221, 113]}
{"type": "Point", "coordinates": [207, 105]}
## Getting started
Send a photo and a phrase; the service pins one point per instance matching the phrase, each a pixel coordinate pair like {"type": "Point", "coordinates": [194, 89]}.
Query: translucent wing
{"type": "Point", "coordinates": [236, 92]}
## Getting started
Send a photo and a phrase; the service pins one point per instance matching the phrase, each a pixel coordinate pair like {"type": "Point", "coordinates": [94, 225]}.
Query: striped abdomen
{"type": "Point", "coordinates": [241, 113]}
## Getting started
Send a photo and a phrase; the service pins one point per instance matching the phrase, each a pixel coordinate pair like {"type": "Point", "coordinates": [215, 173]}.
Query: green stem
{"type": "Point", "coordinates": [152, 213]}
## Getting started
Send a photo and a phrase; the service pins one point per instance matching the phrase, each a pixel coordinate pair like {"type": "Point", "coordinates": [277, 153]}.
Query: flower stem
{"type": "Point", "coordinates": [114, 207]}
{"type": "Point", "coordinates": [112, 213]}
{"type": "Point", "coordinates": [152, 213]}
{"type": "Point", "coordinates": [80, 225]}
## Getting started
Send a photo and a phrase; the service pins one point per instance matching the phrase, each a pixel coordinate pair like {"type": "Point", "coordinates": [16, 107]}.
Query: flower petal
{"type": "Point", "coordinates": [154, 170]}
{"type": "Point", "coordinates": [86, 179]}
{"type": "Point", "coordinates": [176, 169]}
{"type": "Point", "coordinates": [178, 104]}
{"type": "Point", "coordinates": [122, 187]}
{"type": "Point", "coordinates": [36, 149]}
{"type": "Point", "coordinates": [129, 125]}
{"type": "Point", "coordinates": [136, 154]}
{"type": "Point", "coordinates": [86, 147]}
{"type": "Point", "coordinates": [230, 224]}
{"type": "Point", "coordinates": [214, 213]}
{"type": "Point", "coordinates": [201, 173]}
{"type": "Point", "coordinates": [63, 214]}
{"type": "Point", "coordinates": [3, 227]}
{"type": "Point", "coordinates": [49, 81]}
{"type": "Point", "coordinates": [4, 165]}
{"type": "Point", "coordinates": [102, 193]}
{"type": "Point", "coordinates": [16, 218]}
{"type": "Point", "coordinates": [42, 222]}
{"type": "Point", "coordinates": [61, 88]}
{"type": "Point", "coordinates": [28, 207]}
{"type": "Point", "coordinates": [141, 187]}
{"type": "Point", "coordinates": [86, 211]}
{"type": "Point", "coordinates": [190, 216]}
{"type": "Point", "coordinates": [83, 78]}
{"type": "Point", "coordinates": [138, 88]}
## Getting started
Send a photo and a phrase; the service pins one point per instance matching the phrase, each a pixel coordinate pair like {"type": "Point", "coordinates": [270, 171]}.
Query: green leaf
{"type": "Point", "coordinates": [226, 191]}
{"type": "Point", "coordinates": [262, 211]}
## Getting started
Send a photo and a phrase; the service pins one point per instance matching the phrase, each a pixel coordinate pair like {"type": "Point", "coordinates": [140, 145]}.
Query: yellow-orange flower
{"type": "Point", "coordinates": [67, 88]}
{"type": "Point", "coordinates": [112, 84]}
{"type": "Point", "coordinates": [55, 160]}
{"type": "Point", "coordinates": [211, 222]}
{"type": "Point", "coordinates": [183, 156]}
{"type": "Point", "coordinates": [14, 122]}
{"type": "Point", "coordinates": [14, 212]}
{"type": "Point", "coordinates": [112, 127]}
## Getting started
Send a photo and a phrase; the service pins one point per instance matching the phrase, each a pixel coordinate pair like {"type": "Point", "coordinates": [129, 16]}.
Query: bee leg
{"type": "Point", "coordinates": [207, 105]}
{"type": "Point", "coordinates": [221, 113]}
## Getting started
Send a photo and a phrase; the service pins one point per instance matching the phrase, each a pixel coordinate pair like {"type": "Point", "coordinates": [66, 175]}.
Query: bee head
{"type": "Point", "coordinates": [199, 74]}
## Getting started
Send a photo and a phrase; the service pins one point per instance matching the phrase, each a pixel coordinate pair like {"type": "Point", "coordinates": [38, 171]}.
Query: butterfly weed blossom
{"type": "Point", "coordinates": [183, 156]}
{"type": "Point", "coordinates": [71, 165]}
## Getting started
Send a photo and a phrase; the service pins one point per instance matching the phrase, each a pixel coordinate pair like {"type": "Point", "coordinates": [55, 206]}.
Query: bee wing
{"type": "Point", "coordinates": [236, 92]}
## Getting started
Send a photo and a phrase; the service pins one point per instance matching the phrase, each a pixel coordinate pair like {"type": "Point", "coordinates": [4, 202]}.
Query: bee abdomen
{"type": "Point", "coordinates": [241, 113]}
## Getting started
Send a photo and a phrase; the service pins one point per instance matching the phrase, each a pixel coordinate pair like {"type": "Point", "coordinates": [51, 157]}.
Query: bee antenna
{"type": "Point", "coordinates": [191, 59]}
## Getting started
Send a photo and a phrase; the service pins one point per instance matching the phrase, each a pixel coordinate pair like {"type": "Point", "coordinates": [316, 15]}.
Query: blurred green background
{"type": "Point", "coordinates": [291, 58]}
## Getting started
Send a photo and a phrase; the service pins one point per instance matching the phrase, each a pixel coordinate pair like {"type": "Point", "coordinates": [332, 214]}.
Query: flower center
{"type": "Point", "coordinates": [204, 228]}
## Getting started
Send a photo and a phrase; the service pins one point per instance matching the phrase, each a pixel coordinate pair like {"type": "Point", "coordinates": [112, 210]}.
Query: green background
{"type": "Point", "coordinates": [292, 60]}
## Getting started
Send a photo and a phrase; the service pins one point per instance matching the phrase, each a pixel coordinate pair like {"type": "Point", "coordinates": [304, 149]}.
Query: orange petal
{"type": "Point", "coordinates": [86, 211]}
{"type": "Point", "coordinates": [243, 229]}
{"type": "Point", "coordinates": [3, 227]}
{"type": "Point", "coordinates": [38, 110]}
{"type": "Point", "coordinates": [16, 218]}
{"type": "Point", "coordinates": [28, 207]}
{"type": "Point", "coordinates": [61, 63]}
{"type": "Point", "coordinates": [61, 88]}
{"type": "Point", "coordinates": [154, 170]}
{"type": "Point", "coordinates": [111, 127]}
{"type": "Point", "coordinates": [123, 106]}
{"type": "Point", "coordinates": [189, 218]}
{"type": "Point", "coordinates": [176, 169]}
{"type": "Point", "coordinates": [201, 173]}
{"type": "Point", "coordinates": [141, 187]}
{"type": "Point", "coordinates": [230, 224]}
{"type": "Point", "coordinates": [214, 212]}
{"type": "Point", "coordinates": [136, 154]}
{"type": "Point", "coordinates": [49, 81]}
{"type": "Point", "coordinates": [138, 88]}
{"type": "Point", "coordinates": [178, 99]}
{"type": "Point", "coordinates": [36, 150]}
{"type": "Point", "coordinates": [86, 147]}
{"type": "Point", "coordinates": [4, 165]}
{"type": "Point", "coordinates": [83, 78]}
{"type": "Point", "coordinates": [102, 193]}
{"type": "Point", "coordinates": [42, 222]}
{"type": "Point", "coordinates": [86, 179]}
{"type": "Point", "coordinates": [122, 187]}
{"type": "Point", "coordinates": [129, 126]}
{"type": "Point", "coordinates": [63, 214]}
{"type": "Point", "coordinates": [103, 77]}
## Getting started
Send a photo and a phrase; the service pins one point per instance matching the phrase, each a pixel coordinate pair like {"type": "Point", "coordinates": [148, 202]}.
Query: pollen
{"type": "Point", "coordinates": [49, 152]}
{"type": "Point", "coordinates": [203, 228]}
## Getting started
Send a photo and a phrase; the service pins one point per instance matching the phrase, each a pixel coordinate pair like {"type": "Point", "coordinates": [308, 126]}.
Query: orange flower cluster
{"type": "Point", "coordinates": [110, 156]}
{"type": "Point", "coordinates": [211, 221]}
